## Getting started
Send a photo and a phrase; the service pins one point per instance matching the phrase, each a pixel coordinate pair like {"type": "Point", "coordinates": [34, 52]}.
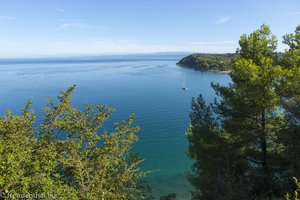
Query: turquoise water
{"type": "Point", "coordinates": [147, 85]}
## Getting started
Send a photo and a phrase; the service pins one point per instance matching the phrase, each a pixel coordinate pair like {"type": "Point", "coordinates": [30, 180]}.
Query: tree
{"type": "Point", "coordinates": [67, 157]}
{"type": "Point", "coordinates": [292, 54]}
{"type": "Point", "coordinates": [249, 108]}
{"type": "Point", "coordinates": [297, 190]}
{"type": "Point", "coordinates": [213, 175]}
{"type": "Point", "coordinates": [248, 116]}
{"type": "Point", "coordinates": [289, 92]}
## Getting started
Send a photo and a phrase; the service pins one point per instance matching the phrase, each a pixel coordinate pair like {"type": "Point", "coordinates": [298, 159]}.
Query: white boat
{"type": "Point", "coordinates": [184, 86]}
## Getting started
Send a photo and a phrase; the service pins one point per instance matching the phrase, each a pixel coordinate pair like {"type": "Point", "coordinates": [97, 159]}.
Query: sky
{"type": "Point", "coordinates": [41, 28]}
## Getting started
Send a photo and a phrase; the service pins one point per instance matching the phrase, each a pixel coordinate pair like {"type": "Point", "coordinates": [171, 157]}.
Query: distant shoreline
{"type": "Point", "coordinates": [209, 62]}
{"type": "Point", "coordinates": [222, 72]}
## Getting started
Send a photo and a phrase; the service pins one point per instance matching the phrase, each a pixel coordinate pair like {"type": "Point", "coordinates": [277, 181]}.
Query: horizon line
{"type": "Point", "coordinates": [60, 56]}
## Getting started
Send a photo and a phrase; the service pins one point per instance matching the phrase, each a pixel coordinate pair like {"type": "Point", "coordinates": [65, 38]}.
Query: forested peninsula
{"type": "Point", "coordinates": [213, 62]}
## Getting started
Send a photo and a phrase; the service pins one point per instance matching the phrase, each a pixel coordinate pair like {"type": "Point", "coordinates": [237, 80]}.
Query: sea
{"type": "Point", "coordinates": [148, 85]}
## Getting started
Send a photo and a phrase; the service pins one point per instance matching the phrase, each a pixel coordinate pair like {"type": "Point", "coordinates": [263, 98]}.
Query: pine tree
{"type": "Point", "coordinates": [289, 92]}
{"type": "Point", "coordinates": [249, 108]}
{"type": "Point", "coordinates": [248, 119]}
{"type": "Point", "coordinates": [214, 174]}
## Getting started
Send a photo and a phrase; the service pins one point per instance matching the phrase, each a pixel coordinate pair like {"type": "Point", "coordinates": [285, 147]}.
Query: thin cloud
{"type": "Point", "coordinates": [78, 25]}
{"type": "Point", "coordinates": [214, 42]}
{"type": "Point", "coordinates": [7, 17]}
{"type": "Point", "coordinates": [71, 20]}
{"type": "Point", "coordinates": [203, 28]}
{"type": "Point", "coordinates": [59, 9]}
{"type": "Point", "coordinates": [223, 19]}
{"type": "Point", "coordinates": [71, 25]}
{"type": "Point", "coordinates": [290, 13]}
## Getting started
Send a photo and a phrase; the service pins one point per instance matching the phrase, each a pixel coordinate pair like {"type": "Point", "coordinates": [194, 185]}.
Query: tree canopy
{"type": "Point", "coordinates": [246, 145]}
{"type": "Point", "coordinates": [68, 156]}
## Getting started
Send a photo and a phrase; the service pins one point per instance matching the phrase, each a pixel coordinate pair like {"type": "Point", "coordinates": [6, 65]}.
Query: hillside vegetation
{"type": "Point", "coordinates": [199, 61]}
{"type": "Point", "coordinates": [246, 144]}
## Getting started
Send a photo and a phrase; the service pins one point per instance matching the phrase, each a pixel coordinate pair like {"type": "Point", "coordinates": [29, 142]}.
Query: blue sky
{"type": "Point", "coordinates": [91, 27]}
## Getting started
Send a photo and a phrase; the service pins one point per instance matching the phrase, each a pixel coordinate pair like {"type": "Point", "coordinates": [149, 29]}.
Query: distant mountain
{"type": "Point", "coordinates": [214, 62]}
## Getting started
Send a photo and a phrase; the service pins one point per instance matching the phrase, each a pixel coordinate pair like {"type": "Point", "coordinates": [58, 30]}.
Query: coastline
{"type": "Point", "coordinates": [220, 71]}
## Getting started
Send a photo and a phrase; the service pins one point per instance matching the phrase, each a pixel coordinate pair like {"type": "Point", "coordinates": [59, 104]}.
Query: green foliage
{"type": "Point", "coordinates": [292, 54]}
{"type": "Point", "coordinates": [289, 92]}
{"type": "Point", "coordinates": [209, 147]}
{"type": "Point", "coordinates": [258, 45]}
{"type": "Point", "coordinates": [249, 111]}
{"type": "Point", "coordinates": [66, 156]}
{"type": "Point", "coordinates": [251, 145]}
{"type": "Point", "coordinates": [218, 62]}
{"type": "Point", "coordinates": [297, 190]}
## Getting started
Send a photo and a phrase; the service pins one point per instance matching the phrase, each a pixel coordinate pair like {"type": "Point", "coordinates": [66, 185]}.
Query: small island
{"type": "Point", "coordinates": [211, 62]}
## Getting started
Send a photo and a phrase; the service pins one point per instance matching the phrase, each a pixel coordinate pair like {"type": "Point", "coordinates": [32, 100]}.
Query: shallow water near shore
{"type": "Point", "coordinates": [148, 85]}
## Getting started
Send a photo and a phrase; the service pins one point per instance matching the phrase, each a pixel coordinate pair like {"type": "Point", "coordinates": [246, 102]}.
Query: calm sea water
{"type": "Point", "coordinates": [147, 85]}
